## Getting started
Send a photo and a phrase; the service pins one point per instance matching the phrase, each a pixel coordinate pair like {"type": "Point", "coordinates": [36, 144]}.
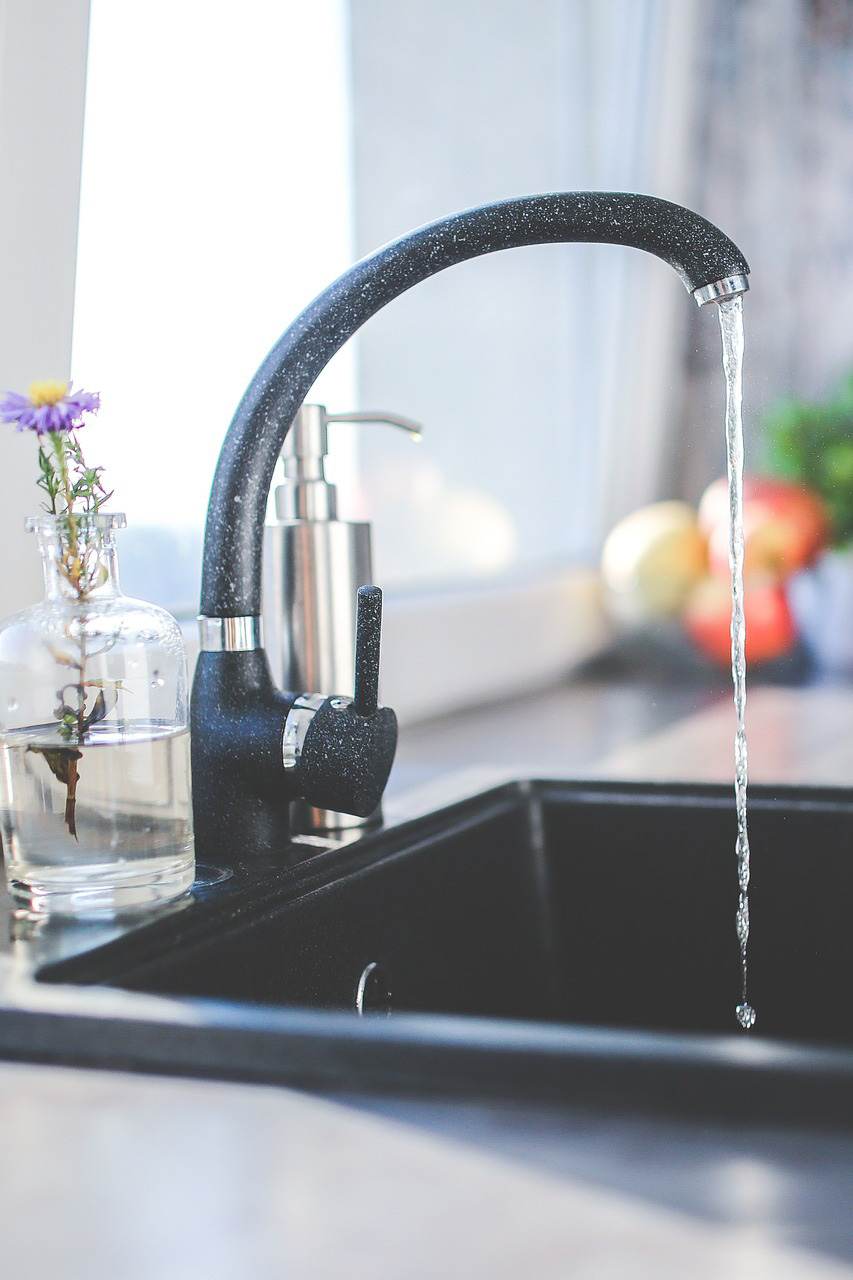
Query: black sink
{"type": "Point", "coordinates": [554, 922]}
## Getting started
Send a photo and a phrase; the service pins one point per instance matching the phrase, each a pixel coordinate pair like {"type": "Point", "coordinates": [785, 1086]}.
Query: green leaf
{"type": "Point", "coordinates": [812, 443]}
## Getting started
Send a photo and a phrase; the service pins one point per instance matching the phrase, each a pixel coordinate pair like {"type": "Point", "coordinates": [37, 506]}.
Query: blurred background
{"type": "Point", "coordinates": [189, 175]}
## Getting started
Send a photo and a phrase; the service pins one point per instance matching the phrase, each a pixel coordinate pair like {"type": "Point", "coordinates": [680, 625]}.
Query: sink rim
{"type": "Point", "coordinates": [290, 880]}
{"type": "Point", "coordinates": [725, 1076]}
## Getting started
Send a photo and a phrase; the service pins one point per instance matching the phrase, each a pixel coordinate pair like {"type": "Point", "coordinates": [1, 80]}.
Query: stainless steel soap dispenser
{"type": "Point", "coordinates": [314, 564]}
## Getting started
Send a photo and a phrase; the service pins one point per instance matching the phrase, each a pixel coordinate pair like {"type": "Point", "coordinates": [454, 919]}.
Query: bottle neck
{"type": "Point", "coordinates": [79, 556]}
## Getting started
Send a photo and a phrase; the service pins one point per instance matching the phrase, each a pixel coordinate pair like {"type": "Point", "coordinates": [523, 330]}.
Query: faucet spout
{"type": "Point", "coordinates": [710, 265]}
{"type": "Point", "coordinates": [256, 748]}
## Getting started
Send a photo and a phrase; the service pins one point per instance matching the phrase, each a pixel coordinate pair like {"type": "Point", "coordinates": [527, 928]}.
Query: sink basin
{"type": "Point", "coordinates": [536, 933]}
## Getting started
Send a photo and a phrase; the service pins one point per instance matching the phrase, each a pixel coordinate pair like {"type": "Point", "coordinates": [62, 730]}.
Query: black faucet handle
{"type": "Point", "coordinates": [345, 758]}
{"type": "Point", "coordinates": [338, 751]}
{"type": "Point", "coordinates": [368, 634]}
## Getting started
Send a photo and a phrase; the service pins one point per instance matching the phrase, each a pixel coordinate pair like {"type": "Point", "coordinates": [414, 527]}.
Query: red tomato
{"type": "Point", "coordinates": [785, 526]}
{"type": "Point", "coordinates": [770, 627]}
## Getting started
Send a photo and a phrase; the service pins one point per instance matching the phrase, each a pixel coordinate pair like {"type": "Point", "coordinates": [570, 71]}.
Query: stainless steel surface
{"type": "Point", "coordinates": [380, 417]}
{"type": "Point", "coordinates": [305, 818]}
{"type": "Point", "coordinates": [297, 725]}
{"type": "Point", "coordinates": [315, 563]}
{"type": "Point", "coordinates": [315, 568]}
{"type": "Point", "coordinates": [232, 635]}
{"type": "Point", "coordinates": [721, 289]}
{"type": "Point", "coordinates": [306, 493]}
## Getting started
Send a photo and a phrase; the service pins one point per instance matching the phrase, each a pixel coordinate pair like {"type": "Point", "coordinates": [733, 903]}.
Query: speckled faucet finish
{"type": "Point", "coordinates": [694, 247]}
{"type": "Point", "coordinates": [230, 807]}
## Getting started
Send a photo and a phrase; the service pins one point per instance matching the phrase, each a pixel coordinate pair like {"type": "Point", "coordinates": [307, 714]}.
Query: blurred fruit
{"type": "Point", "coordinates": [652, 559]}
{"type": "Point", "coordinates": [770, 628]}
{"type": "Point", "coordinates": [785, 526]}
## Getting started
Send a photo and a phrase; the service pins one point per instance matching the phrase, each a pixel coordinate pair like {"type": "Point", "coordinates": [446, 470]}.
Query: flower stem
{"type": "Point", "coordinates": [74, 566]}
{"type": "Point", "coordinates": [58, 440]}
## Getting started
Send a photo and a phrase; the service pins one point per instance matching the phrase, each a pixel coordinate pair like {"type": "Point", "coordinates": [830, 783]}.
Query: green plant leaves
{"type": "Point", "coordinates": [812, 443]}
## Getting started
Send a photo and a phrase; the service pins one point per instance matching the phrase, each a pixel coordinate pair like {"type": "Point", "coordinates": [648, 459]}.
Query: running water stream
{"type": "Point", "coordinates": [731, 327]}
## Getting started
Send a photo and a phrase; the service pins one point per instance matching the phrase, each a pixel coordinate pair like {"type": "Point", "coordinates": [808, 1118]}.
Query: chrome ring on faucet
{"type": "Point", "coordinates": [229, 635]}
{"type": "Point", "coordinates": [296, 727]}
{"type": "Point", "coordinates": [720, 290]}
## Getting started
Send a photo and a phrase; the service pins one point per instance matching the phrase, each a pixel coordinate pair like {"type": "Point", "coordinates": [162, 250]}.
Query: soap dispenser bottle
{"type": "Point", "coordinates": [314, 564]}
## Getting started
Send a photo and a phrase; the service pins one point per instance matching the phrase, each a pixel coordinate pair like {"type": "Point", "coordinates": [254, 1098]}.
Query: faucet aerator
{"type": "Point", "coordinates": [721, 290]}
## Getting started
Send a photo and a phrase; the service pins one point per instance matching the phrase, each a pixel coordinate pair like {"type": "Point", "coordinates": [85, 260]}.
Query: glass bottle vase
{"type": "Point", "coordinates": [95, 797]}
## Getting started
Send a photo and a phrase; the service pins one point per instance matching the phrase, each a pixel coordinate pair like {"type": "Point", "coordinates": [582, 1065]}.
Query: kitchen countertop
{"type": "Point", "coordinates": [643, 732]}
{"type": "Point", "coordinates": [112, 1174]}
{"type": "Point", "coordinates": [108, 1175]}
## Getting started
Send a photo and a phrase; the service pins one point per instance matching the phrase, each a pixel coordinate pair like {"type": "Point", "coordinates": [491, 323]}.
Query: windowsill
{"type": "Point", "coordinates": [636, 731]}
{"type": "Point", "coordinates": [563, 731]}
{"type": "Point", "coordinates": [445, 651]}
{"type": "Point", "coordinates": [450, 651]}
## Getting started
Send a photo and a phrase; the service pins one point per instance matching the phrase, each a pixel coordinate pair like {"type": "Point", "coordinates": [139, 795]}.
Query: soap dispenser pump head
{"type": "Point", "coordinates": [308, 495]}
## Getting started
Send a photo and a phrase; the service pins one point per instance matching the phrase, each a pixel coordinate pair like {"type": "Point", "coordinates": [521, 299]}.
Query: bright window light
{"type": "Point", "coordinates": [215, 204]}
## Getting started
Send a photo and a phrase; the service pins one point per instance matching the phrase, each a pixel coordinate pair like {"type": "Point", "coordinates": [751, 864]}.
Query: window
{"type": "Point", "coordinates": [235, 161]}
{"type": "Point", "coordinates": [215, 203]}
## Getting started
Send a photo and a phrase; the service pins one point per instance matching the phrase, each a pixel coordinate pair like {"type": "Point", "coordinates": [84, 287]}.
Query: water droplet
{"type": "Point", "coordinates": [12, 704]}
{"type": "Point", "coordinates": [745, 1016]}
{"type": "Point", "coordinates": [157, 680]}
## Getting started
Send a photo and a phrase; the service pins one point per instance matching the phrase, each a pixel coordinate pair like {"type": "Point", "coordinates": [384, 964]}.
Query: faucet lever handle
{"type": "Point", "coordinates": [368, 630]}
{"type": "Point", "coordinates": [338, 752]}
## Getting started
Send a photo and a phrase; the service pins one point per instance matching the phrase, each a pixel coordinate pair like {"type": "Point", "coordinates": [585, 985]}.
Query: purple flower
{"type": "Point", "coordinates": [49, 407]}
